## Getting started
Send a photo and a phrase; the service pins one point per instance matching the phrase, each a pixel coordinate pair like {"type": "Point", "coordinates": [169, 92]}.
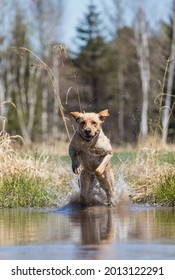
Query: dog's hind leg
{"type": "Point", "coordinates": [106, 181]}
{"type": "Point", "coordinates": [86, 183]}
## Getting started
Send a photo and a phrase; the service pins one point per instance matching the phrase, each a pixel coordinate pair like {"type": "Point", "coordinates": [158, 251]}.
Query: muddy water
{"type": "Point", "coordinates": [73, 232]}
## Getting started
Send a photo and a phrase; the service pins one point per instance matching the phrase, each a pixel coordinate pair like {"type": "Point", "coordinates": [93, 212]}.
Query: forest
{"type": "Point", "coordinates": [128, 69]}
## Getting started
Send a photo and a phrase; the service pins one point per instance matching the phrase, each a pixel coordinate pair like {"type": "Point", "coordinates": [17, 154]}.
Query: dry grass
{"type": "Point", "coordinates": [19, 169]}
{"type": "Point", "coordinates": [17, 160]}
{"type": "Point", "coordinates": [53, 148]}
{"type": "Point", "coordinates": [25, 171]}
{"type": "Point", "coordinates": [147, 172]}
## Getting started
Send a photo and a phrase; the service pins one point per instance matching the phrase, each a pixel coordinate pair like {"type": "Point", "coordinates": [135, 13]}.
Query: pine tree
{"type": "Point", "coordinates": [90, 57]}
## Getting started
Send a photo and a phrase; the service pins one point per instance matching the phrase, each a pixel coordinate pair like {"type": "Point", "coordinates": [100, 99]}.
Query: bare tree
{"type": "Point", "coordinates": [47, 19]}
{"type": "Point", "coordinates": [142, 47]}
{"type": "Point", "coordinates": [2, 99]}
{"type": "Point", "coordinates": [7, 14]}
{"type": "Point", "coordinates": [2, 93]}
{"type": "Point", "coordinates": [115, 16]}
{"type": "Point", "coordinates": [167, 108]}
{"type": "Point", "coordinates": [26, 97]}
{"type": "Point", "coordinates": [55, 103]}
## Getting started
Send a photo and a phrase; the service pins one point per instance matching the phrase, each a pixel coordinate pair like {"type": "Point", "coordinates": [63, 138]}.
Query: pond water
{"type": "Point", "coordinates": [98, 232]}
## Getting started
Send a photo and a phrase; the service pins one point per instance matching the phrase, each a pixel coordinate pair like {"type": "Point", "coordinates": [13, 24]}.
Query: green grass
{"type": "Point", "coordinates": [165, 191]}
{"type": "Point", "coordinates": [128, 157]}
{"type": "Point", "coordinates": [165, 157]}
{"type": "Point", "coordinates": [123, 157]}
{"type": "Point", "coordinates": [117, 159]}
{"type": "Point", "coordinates": [120, 158]}
{"type": "Point", "coordinates": [65, 160]}
{"type": "Point", "coordinates": [24, 190]}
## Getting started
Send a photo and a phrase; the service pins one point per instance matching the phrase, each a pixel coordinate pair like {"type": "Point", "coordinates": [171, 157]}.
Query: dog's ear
{"type": "Point", "coordinates": [76, 115]}
{"type": "Point", "coordinates": [103, 114]}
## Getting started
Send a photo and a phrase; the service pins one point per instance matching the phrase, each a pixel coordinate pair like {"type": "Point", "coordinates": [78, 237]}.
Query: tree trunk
{"type": "Point", "coordinates": [142, 48]}
{"type": "Point", "coordinates": [2, 99]}
{"type": "Point", "coordinates": [95, 92]}
{"type": "Point", "coordinates": [121, 102]}
{"type": "Point", "coordinates": [21, 119]}
{"type": "Point", "coordinates": [26, 98]}
{"type": "Point", "coordinates": [44, 117]}
{"type": "Point", "coordinates": [5, 85]}
{"type": "Point", "coordinates": [167, 108]}
{"type": "Point", "coordinates": [55, 105]}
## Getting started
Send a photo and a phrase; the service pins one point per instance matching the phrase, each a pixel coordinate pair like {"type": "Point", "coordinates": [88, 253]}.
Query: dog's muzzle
{"type": "Point", "coordinates": [88, 136]}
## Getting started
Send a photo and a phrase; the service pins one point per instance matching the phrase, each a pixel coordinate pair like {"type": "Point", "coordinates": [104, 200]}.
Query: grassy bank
{"type": "Point", "coordinates": [29, 178]}
{"type": "Point", "coordinates": [151, 174]}
{"type": "Point", "coordinates": [41, 176]}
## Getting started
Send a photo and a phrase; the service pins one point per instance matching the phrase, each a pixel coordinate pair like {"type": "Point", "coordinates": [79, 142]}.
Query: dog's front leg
{"type": "Point", "coordinates": [75, 160]}
{"type": "Point", "coordinates": [101, 168]}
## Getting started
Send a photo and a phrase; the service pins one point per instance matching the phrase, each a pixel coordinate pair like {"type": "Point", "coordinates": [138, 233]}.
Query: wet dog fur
{"type": "Point", "coordinates": [90, 151]}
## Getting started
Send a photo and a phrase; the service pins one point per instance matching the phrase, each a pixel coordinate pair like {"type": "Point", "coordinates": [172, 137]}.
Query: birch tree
{"type": "Point", "coordinates": [115, 16]}
{"type": "Point", "coordinates": [25, 94]}
{"type": "Point", "coordinates": [2, 94]}
{"type": "Point", "coordinates": [47, 19]}
{"type": "Point", "coordinates": [166, 110]}
{"type": "Point", "coordinates": [55, 102]}
{"type": "Point", "coordinates": [142, 47]}
{"type": "Point", "coordinates": [22, 80]}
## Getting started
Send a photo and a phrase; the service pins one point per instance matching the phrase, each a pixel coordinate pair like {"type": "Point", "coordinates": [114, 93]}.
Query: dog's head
{"type": "Point", "coordinates": [89, 124]}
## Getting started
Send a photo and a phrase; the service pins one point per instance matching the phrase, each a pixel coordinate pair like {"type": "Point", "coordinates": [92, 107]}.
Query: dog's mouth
{"type": "Point", "coordinates": [88, 136]}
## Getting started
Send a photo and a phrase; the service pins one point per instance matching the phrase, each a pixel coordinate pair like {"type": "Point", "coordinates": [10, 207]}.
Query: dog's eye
{"type": "Point", "coordinates": [83, 122]}
{"type": "Point", "coordinates": [94, 123]}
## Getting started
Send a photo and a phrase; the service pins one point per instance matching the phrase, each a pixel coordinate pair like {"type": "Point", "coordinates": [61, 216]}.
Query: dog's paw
{"type": "Point", "coordinates": [111, 203]}
{"type": "Point", "coordinates": [76, 167]}
{"type": "Point", "coordinates": [99, 173]}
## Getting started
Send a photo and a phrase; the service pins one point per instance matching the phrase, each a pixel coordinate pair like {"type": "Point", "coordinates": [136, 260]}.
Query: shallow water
{"type": "Point", "coordinates": [97, 232]}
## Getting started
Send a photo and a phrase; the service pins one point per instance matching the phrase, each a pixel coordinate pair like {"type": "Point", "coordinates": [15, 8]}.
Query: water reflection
{"type": "Point", "coordinates": [93, 232]}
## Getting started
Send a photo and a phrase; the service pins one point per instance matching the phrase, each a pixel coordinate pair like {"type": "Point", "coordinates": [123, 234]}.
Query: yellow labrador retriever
{"type": "Point", "coordinates": [90, 150]}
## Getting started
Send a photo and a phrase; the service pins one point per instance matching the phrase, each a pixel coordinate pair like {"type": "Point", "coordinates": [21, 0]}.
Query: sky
{"type": "Point", "coordinates": [75, 10]}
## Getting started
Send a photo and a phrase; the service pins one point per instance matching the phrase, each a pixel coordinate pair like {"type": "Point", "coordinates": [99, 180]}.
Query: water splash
{"type": "Point", "coordinates": [98, 197]}
{"type": "Point", "coordinates": [122, 189]}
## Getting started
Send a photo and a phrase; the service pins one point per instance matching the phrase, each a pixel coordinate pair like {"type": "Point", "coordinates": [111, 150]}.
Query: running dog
{"type": "Point", "coordinates": [90, 151]}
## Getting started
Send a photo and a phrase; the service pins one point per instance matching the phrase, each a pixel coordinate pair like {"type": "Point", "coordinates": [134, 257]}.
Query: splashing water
{"type": "Point", "coordinates": [122, 190]}
{"type": "Point", "coordinates": [98, 196]}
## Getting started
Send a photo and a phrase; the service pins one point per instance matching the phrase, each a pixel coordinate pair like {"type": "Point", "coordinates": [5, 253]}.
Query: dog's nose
{"type": "Point", "coordinates": [88, 131]}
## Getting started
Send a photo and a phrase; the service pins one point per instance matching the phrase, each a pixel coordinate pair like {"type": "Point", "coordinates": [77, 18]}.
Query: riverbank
{"type": "Point", "coordinates": [29, 177]}
{"type": "Point", "coordinates": [152, 177]}
{"type": "Point", "coordinates": [41, 176]}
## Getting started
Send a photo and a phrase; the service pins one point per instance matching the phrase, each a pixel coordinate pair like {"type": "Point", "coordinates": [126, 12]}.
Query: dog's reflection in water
{"type": "Point", "coordinates": [97, 229]}
{"type": "Point", "coordinates": [99, 224]}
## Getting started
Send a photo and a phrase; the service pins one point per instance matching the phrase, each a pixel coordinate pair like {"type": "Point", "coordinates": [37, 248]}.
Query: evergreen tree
{"type": "Point", "coordinates": [90, 59]}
